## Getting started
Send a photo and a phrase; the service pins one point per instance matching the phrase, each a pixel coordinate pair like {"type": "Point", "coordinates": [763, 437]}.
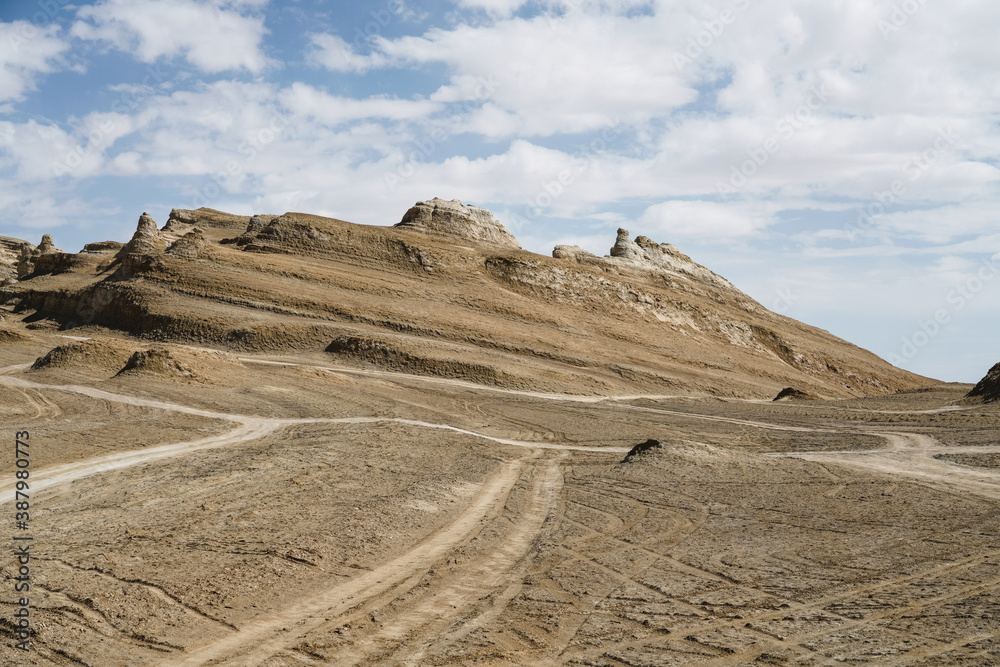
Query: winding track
{"type": "Point", "coordinates": [251, 428]}
{"type": "Point", "coordinates": [907, 454]}
{"type": "Point", "coordinates": [913, 455]}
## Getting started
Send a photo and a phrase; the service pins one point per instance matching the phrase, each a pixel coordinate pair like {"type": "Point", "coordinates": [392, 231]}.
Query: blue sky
{"type": "Point", "coordinates": [837, 161]}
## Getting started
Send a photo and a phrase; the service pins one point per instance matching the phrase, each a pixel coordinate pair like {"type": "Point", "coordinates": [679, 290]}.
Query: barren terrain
{"type": "Point", "coordinates": [363, 478]}
{"type": "Point", "coordinates": [294, 512]}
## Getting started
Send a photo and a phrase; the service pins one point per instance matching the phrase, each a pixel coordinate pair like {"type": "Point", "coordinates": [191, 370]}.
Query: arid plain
{"type": "Point", "coordinates": [297, 441]}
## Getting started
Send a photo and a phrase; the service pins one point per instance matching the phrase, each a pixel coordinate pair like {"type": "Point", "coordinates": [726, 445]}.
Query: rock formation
{"type": "Point", "coordinates": [625, 248]}
{"type": "Point", "coordinates": [10, 255]}
{"type": "Point", "coordinates": [143, 250]}
{"type": "Point", "coordinates": [103, 247]}
{"type": "Point", "coordinates": [573, 252]}
{"type": "Point", "coordinates": [642, 448]}
{"type": "Point", "coordinates": [646, 255]}
{"type": "Point", "coordinates": [147, 239]}
{"type": "Point", "coordinates": [29, 255]}
{"type": "Point", "coordinates": [988, 389]}
{"type": "Point", "coordinates": [255, 226]}
{"type": "Point", "coordinates": [190, 246]}
{"type": "Point", "coordinates": [155, 361]}
{"type": "Point", "coordinates": [793, 394]}
{"type": "Point", "coordinates": [259, 222]}
{"type": "Point", "coordinates": [180, 220]}
{"type": "Point", "coordinates": [457, 222]}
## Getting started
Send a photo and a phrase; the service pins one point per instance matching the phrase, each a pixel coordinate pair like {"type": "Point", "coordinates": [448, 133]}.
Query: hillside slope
{"type": "Point", "coordinates": [447, 293]}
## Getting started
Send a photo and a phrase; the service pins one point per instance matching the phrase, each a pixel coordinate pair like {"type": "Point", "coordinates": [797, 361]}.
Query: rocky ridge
{"type": "Point", "coordinates": [645, 254]}
{"type": "Point", "coordinates": [457, 222]}
{"type": "Point", "coordinates": [988, 389]}
{"type": "Point", "coordinates": [181, 220]}
{"type": "Point", "coordinates": [447, 292]}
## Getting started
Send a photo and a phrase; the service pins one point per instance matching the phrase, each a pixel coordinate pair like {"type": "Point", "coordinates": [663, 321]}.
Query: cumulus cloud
{"type": "Point", "coordinates": [303, 99]}
{"type": "Point", "coordinates": [335, 54]}
{"type": "Point", "coordinates": [26, 52]}
{"type": "Point", "coordinates": [701, 219]}
{"type": "Point", "coordinates": [552, 76]}
{"type": "Point", "coordinates": [213, 37]}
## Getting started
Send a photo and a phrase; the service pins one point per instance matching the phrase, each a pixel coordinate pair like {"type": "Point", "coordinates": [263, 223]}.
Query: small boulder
{"type": "Point", "coordinates": [103, 248]}
{"type": "Point", "coordinates": [793, 394]}
{"type": "Point", "coordinates": [573, 253]}
{"type": "Point", "coordinates": [640, 449]}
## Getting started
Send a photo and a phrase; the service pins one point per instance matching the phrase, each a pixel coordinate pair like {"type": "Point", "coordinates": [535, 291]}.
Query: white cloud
{"type": "Point", "coordinates": [943, 224]}
{"type": "Point", "coordinates": [305, 100]}
{"type": "Point", "coordinates": [702, 219]}
{"type": "Point", "coordinates": [26, 51]}
{"type": "Point", "coordinates": [213, 37]}
{"type": "Point", "coordinates": [335, 54]}
{"type": "Point", "coordinates": [545, 76]}
{"type": "Point", "coordinates": [496, 7]}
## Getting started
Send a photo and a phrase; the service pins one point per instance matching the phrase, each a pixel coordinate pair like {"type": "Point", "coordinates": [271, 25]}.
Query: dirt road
{"type": "Point", "coordinates": [261, 639]}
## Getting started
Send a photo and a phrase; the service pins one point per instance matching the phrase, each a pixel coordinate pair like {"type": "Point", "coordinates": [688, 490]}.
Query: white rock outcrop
{"type": "Point", "coordinates": [645, 254]}
{"type": "Point", "coordinates": [458, 222]}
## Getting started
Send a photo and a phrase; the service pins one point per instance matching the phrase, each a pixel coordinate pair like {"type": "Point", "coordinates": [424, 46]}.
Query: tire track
{"type": "Point", "coordinates": [264, 637]}
{"type": "Point", "coordinates": [251, 428]}
{"type": "Point", "coordinates": [461, 590]}
{"type": "Point", "coordinates": [913, 455]}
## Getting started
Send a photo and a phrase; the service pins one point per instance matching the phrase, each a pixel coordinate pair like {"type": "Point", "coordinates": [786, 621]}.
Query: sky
{"type": "Point", "coordinates": [837, 161]}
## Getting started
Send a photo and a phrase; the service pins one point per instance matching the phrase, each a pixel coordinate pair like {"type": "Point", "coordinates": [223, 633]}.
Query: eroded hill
{"type": "Point", "coordinates": [447, 292]}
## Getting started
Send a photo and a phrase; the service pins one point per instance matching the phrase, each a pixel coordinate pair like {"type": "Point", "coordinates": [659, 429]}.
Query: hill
{"type": "Point", "coordinates": [446, 292]}
{"type": "Point", "coordinates": [988, 389]}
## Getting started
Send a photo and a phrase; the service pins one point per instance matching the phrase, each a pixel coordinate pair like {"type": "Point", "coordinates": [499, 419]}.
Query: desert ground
{"type": "Point", "coordinates": [292, 440]}
{"type": "Point", "coordinates": [291, 510]}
